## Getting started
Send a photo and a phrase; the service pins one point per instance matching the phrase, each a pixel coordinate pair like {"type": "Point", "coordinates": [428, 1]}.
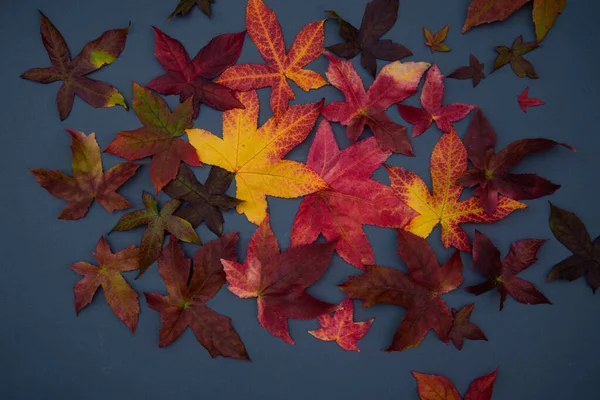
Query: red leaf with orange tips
{"type": "Point", "coordinates": [265, 31]}
{"type": "Point", "coordinates": [526, 101]}
{"type": "Point", "coordinates": [188, 292]}
{"type": "Point", "coordinates": [341, 328]}
{"type": "Point", "coordinates": [433, 110]}
{"type": "Point", "coordinates": [351, 199]}
{"type": "Point", "coordinates": [502, 273]}
{"type": "Point", "coordinates": [419, 291]}
{"type": "Point", "coordinates": [395, 82]}
{"type": "Point", "coordinates": [462, 328]}
{"type": "Point", "coordinates": [437, 387]}
{"type": "Point", "coordinates": [279, 280]}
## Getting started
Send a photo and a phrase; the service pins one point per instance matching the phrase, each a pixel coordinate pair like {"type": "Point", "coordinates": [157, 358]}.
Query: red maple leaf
{"type": "Point", "coordinates": [395, 82]}
{"type": "Point", "coordinates": [474, 71]}
{"type": "Point", "coordinates": [526, 101]}
{"type": "Point", "coordinates": [433, 110]}
{"type": "Point", "coordinates": [437, 387]}
{"type": "Point", "coordinates": [193, 78]}
{"type": "Point", "coordinates": [462, 328]}
{"type": "Point", "coordinates": [279, 280]}
{"type": "Point", "coordinates": [419, 291]}
{"type": "Point", "coordinates": [352, 198]}
{"type": "Point", "coordinates": [185, 303]}
{"type": "Point", "coordinates": [502, 273]}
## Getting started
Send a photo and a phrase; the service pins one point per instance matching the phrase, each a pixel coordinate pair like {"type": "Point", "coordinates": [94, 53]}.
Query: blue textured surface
{"type": "Point", "coordinates": [544, 352]}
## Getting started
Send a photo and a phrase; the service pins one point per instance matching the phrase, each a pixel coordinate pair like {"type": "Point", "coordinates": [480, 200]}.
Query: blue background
{"type": "Point", "coordinates": [543, 352]}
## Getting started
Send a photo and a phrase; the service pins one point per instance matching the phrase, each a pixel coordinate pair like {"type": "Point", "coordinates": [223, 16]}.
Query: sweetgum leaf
{"type": "Point", "coordinates": [437, 387]}
{"type": "Point", "coordinates": [525, 101]}
{"type": "Point", "coordinates": [89, 181]}
{"type": "Point", "coordinates": [514, 56]}
{"type": "Point", "coordinates": [435, 42]}
{"type": "Point", "coordinates": [462, 328]}
{"type": "Point", "coordinates": [474, 71]}
{"type": "Point", "coordinates": [379, 17]}
{"type": "Point", "coordinates": [95, 55]}
{"type": "Point", "coordinates": [185, 6]}
{"type": "Point", "coordinates": [188, 292]}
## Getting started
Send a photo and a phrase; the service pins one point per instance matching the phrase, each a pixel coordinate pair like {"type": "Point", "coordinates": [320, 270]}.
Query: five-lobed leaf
{"type": "Point", "coordinates": [514, 56]}
{"type": "Point", "coordinates": [351, 199]}
{"type": "Point", "coordinates": [474, 71]}
{"type": "Point", "coordinates": [185, 6]}
{"type": "Point", "coordinates": [159, 138]}
{"type": "Point", "coordinates": [89, 181]}
{"type": "Point", "coordinates": [435, 42]}
{"type": "Point", "coordinates": [185, 304]}
{"type": "Point", "coordinates": [121, 298]}
{"type": "Point", "coordinates": [462, 328]}
{"type": "Point", "coordinates": [448, 162]}
{"type": "Point", "coordinates": [525, 101]}
{"type": "Point", "coordinates": [438, 387]}
{"type": "Point", "coordinates": [395, 82]}
{"type": "Point", "coordinates": [72, 71]}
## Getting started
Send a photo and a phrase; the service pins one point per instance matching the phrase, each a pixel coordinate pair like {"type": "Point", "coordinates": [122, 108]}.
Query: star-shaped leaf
{"type": "Point", "coordinates": [571, 232]}
{"type": "Point", "coordinates": [395, 82]}
{"type": "Point", "coordinates": [448, 162]}
{"type": "Point", "coordinates": [256, 154]}
{"type": "Point", "coordinates": [279, 280]}
{"type": "Point", "coordinates": [205, 201]}
{"type": "Point", "coordinates": [379, 17]}
{"type": "Point", "coordinates": [341, 328]}
{"type": "Point", "coordinates": [435, 42]}
{"type": "Point", "coordinates": [514, 56]}
{"type": "Point", "coordinates": [437, 387]}
{"type": "Point", "coordinates": [265, 31]}
{"type": "Point", "coordinates": [525, 101]}
{"type": "Point", "coordinates": [95, 54]}
{"type": "Point", "coordinates": [159, 138]}
{"type": "Point", "coordinates": [462, 328]}
{"type": "Point", "coordinates": [89, 181]}
{"type": "Point", "coordinates": [157, 222]}
{"type": "Point", "coordinates": [490, 170]}
{"type": "Point", "coordinates": [351, 199]}
{"type": "Point", "coordinates": [431, 99]}
{"type": "Point", "coordinates": [185, 6]}
{"type": "Point", "coordinates": [474, 71]}
{"type": "Point", "coordinates": [193, 78]}
{"type": "Point", "coordinates": [188, 292]}
{"type": "Point", "coordinates": [121, 298]}
{"type": "Point", "coordinates": [419, 291]}
{"type": "Point", "coordinates": [502, 273]}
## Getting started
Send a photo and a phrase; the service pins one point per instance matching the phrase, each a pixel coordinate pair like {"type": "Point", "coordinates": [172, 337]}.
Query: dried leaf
{"type": "Point", "coordinates": [419, 291]}
{"type": "Point", "coordinates": [437, 387]}
{"type": "Point", "coordinates": [379, 17]}
{"type": "Point", "coordinates": [256, 155]}
{"type": "Point", "coordinates": [434, 42]}
{"type": "Point", "coordinates": [185, 6]}
{"type": "Point", "coordinates": [279, 280]}
{"type": "Point", "coordinates": [351, 199]}
{"type": "Point", "coordinates": [433, 110]}
{"type": "Point", "coordinates": [502, 274]}
{"type": "Point", "coordinates": [157, 221]}
{"type": "Point", "coordinates": [185, 303]}
{"type": "Point", "coordinates": [448, 163]}
{"type": "Point", "coordinates": [544, 15]}
{"type": "Point", "coordinates": [94, 55]}
{"type": "Point", "coordinates": [89, 181]}
{"type": "Point", "coordinates": [474, 71]}
{"type": "Point", "coordinates": [462, 328]}
{"type": "Point", "coordinates": [159, 138]}
{"type": "Point", "coordinates": [514, 56]}
{"type": "Point", "coordinates": [193, 78]}
{"type": "Point", "coordinates": [526, 101]}
{"type": "Point", "coordinates": [395, 82]}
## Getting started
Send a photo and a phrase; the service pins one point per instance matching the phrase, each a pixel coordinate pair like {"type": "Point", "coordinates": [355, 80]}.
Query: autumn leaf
{"type": "Point", "coordinates": [265, 31]}
{"type": "Point", "coordinates": [341, 328]}
{"type": "Point", "coordinates": [448, 162]}
{"type": "Point", "coordinates": [88, 182]}
{"type": "Point", "coordinates": [434, 42]}
{"type": "Point", "coordinates": [72, 71]}
{"type": "Point", "coordinates": [433, 110]}
{"type": "Point", "coordinates": [490, 170]}
{"type": "Point", "coordinates": [571, 232]}
{"type": "Point", "coordinates": [159, 138]}
{"type": "Point", "coordinates": [193, 78]}
{"type": "Point", "coordinates": [379, 17]}
{"type": "Point", "coordinates": [205, 201]}
{"type": "Point", "coordinates": [419, 291]}
{"type": "Point", "coordinates": [395, 82]}
{"type": "Point", "coordinates": [279, 280]}
{"type": "Point", "coordinates": [462, 328]}
{"type": "Point", "coordinates": [157, 222]}
{"type": "Point", "coordinates": [185, 6]}
{"type": "Point", "coordinates": [526, 101]}
{"type": "Point", "coordinates": [474, 71]}
{"type": "Point", "coordinates": [487, 11]}
{"type": "Point", "coordinates": [351, 199]}
{"type": "Point", "coordinates": [514, 56]}
{"type": "Point", "coordinates": [437, 387]}
{"type": "Point", "coordinates": [502, 273]}
{"type": "Point", "coordinates": [185, 303]}
{"type": "Point", "coordinates": [121, 298]}
{"type": "Point", "coordinates": [256, 155]}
